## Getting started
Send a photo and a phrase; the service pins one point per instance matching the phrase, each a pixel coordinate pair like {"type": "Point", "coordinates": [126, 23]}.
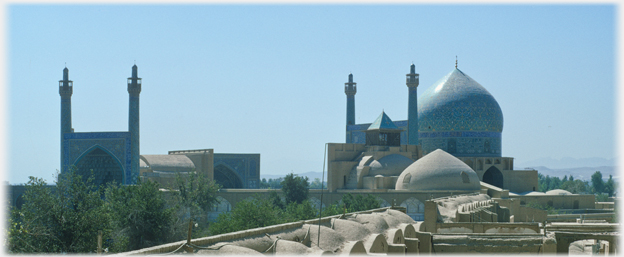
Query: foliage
{"type": "Point", "coordinates": [276, 200]}
{"type": "Point", "coordinates": [295, 188]}
{"type": "Point", "coordinates": [196, 193]}
{"type": "Point", "coordinates": [333, 209]}
{"type": "Point", "coordinates": [610, 187]}
{"type": "Point", "coordinates": [250, 213]}
{"type": "Point", "coordinates": [140, 215]}
{"type": "Point", "coordinates": [359, 202]}
{"type": "Point", "coordinates": [316, 184]}
{"type": "Point", "coordinates": [602, 197]}
{"type": "Point", "coordinates": [576, 187]}
{"type": "Point", "coordinates": [303, 211]}
{"type": "Point", "coordinates": [64, 220]}
{"type": "Point", "coordinates": [271, 183]}
{"type": "Point", "coordinates": [597, 183]}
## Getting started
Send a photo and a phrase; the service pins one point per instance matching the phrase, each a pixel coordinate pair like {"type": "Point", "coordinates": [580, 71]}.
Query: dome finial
{"type": "Point", "coordinates": [455, 61]}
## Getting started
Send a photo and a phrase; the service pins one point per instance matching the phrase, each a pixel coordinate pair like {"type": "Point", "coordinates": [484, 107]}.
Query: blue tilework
{"type": "Point", "coordinates": [457, 102]}
{"type": "Point", "coordinates": [246, 166]}
{"type": "Point", "coordinates": [118, 144]}
{"type": "Point", "coordinates": [383, 122]}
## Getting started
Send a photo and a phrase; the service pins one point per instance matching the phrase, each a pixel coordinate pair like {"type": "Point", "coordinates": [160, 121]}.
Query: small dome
{"type": "Point", "coordinates": [558, 192]}
{"type": "Point", "coordinates": [438, 170]}
{"type": "Point", "coordinates": [390, 165]}
{"type": "Point", "coordinates": [533, 193]}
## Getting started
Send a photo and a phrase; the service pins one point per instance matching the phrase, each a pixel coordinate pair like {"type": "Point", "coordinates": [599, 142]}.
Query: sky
{"type": "Point", "coordinates": [269, 79]}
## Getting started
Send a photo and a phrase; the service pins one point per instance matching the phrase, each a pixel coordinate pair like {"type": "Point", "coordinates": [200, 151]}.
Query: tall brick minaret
{"type": "Point", "coordinates": [412, 108]}
{"type": "Point", "coordinates": [134, 89]}
{"type": "Point", "coordinates": [66, 89]}
{"type": "Point", "coordinates": [350, 90]}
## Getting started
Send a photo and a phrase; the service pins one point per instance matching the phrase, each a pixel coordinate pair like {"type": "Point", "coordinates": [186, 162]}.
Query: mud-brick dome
{"type": "Point", "coordinates": [389, 165]}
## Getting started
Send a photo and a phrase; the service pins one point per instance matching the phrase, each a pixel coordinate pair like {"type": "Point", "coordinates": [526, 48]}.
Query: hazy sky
{"type": "Point", "coordinates": [269, 79]}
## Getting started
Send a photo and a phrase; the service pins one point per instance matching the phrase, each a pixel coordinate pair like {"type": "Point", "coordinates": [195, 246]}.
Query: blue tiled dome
{"type": "Point", "coordinates": [458, 115]}
{"type": "Point", "coordinates": [458, 103]}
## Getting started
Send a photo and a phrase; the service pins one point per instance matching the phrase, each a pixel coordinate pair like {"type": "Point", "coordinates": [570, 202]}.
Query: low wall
{"type": "Point", "coordinates": [589, 216]}
{"type": "Point", "coordinates": [488, 228]}
{"type": "Point", "coordinates": [486, 243]}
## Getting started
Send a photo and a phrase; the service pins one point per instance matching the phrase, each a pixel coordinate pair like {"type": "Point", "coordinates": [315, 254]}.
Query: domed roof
{"type": "Point", "coordinates": [168, 162]}
{"type": "Point", "coordinates": [438, 170]}
{"type": "Point", "coordinates": [558, 192]}
{"type": "Point", "coordinates": [389, 165]}
{"type": "Point", "coordinates": [458, 103]}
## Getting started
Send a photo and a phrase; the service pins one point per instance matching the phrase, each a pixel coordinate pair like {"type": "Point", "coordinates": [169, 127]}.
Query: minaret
{"type": "Point", "coordinates": [134, 89]}
{"type": "Point", "coordinates": [350, 90]}
{"type": "Point", "coordinates": [412, 109]}
{"type": "Point", "coordinates": [66, 87]}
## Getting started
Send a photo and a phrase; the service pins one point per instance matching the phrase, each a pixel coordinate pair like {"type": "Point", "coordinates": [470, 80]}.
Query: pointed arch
{"type": "Point", "coordinates": [106, 166]}
{"type": "Point", "coordinates": [493, 176]}
{"type": "Point", "coordinates": [225, 176]}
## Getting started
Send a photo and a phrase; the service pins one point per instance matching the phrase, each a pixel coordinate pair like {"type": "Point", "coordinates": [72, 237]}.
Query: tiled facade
{"type": "Point", "coordinates": [105, 153]}
{"type": "Point", "coordinates": [457, 115]}
{"type": "Point", "coordinates": [245, 166]}
{"type": "Point", "coordinates": [77, 146]}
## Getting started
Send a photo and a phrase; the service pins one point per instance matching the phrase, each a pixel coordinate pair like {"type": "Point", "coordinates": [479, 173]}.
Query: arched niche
{"type": "Point", "coordinates": [493, 176]}
{"type": "Point", "coordinates": [226, 177]}
{"type": "Point", "coordinates": [106, 168]}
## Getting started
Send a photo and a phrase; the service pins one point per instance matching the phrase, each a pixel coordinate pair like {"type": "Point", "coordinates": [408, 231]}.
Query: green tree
{"type": "Point", "coordinates": [597, 183]}
{"type": "Point", "coordinates": [140, 215]}
{"type": "Point", "coordinates": [250, 213]}
{"type": "Point", "coordinates": [316, 184]}
{"type": "Point", "coordinates": [571, 178]}
{"type": "Point", "coordinates": [64, 220]}
{"type": "Point", "coordinates": [359, 202]}
{"type": "Point", "coordinates": [295, 188]}
{"type": "Point", "coordinates": [301, 211]}
{"type": "Point", "coordinates": [276, 200]}
{"type": "Point", "coordinates": [610, 186]}
{"type": "Point", "coordinates": [196, 193]}
{"type": "Point", "coordinates": [576, 187]}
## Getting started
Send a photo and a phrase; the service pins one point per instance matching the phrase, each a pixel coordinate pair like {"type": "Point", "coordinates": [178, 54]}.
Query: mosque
{"type": "Point", "coordinates": [456, 114]}
{"type": "Point", "coordinates": [450, 143]}
{"type": "Point", "coordinates": [115, 156]}
{"type": "Point", "coordinates": [440, 177]}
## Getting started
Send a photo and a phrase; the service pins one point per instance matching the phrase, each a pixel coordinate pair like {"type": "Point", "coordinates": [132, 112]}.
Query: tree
{"type": "Point", "coordinates": [250, 213]}
{"type": "Point", "coordinates": [302, 211]}
{"type": "Point", "coordinates": [597, 183]}
{"type": "Point", "coordinates": [359, 202]}
{"type": "Point", "coordinates": [565, 179]}
{"type": "Point", "coordinates": [64, 220]}
{"type": "Point", "coordinates": [610, 186]}
{"type": "Point", "coordinates": [576, 187]}
{"type": "Point", "coordinates": [316, 184]}
{"type": "Point", "coordinates": [140, 216]}
{"type": "Point", "coordinates": [571, 178]}
{"type": "Point", "coordinates": [196, 193]}
{"type": "Point", "coordinates": [295, 188]}
{"type": "Point", "coordinates": [276, 200]}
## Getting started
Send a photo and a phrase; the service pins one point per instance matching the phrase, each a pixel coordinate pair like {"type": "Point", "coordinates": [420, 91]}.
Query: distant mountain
{"type": "Point", "coordinates": [310, 174]}
{"type": "Point", "coordinates": [582, 173]}
{"type": "Point", "coordinates": [567, 163]}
